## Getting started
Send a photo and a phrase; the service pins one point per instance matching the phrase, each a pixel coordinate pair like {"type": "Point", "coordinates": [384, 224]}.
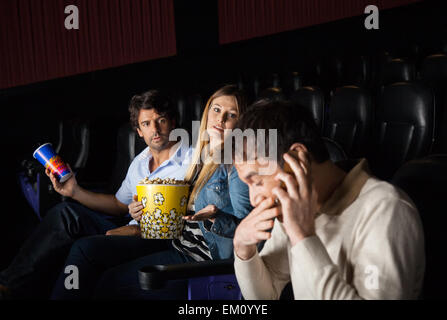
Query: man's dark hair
{"type": "Point", "coordinates": [293, 124]}
{"type": "Point", "coordinates": [152, 99]}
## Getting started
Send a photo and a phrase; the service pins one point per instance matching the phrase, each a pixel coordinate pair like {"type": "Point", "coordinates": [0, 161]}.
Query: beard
{"type": "Point", "coordinates": [160, 145]}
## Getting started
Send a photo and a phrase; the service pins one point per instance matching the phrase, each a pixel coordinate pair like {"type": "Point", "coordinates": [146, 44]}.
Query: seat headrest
{"type": "Point", "coordinates": [432, 169]}
{"type": "Point", "coordinates": [434, 68]}
{"type": "Point", "coordinates": [311, 98]}
{"type": "Point", "coordinates": [351, 101]}
{"type": "Point", "coordinates": [398, 70]}
{"type": "Point", "coordinates": [335, 150]}
{"type": "Point", "coordinates": [405, 102]}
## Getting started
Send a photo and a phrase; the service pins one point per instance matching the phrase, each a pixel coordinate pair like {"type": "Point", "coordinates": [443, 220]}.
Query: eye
{"type": "Point", "coordinates": [232, 116]}
{"type": "Point", "coordinates": [216, 109]}
{"type": "Point", "coordinates": [162, 120]}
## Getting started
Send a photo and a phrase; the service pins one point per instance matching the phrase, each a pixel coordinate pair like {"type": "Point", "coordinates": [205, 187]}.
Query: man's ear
{"type": "Point", "coordinates": [140, 133]}
{"type": "Point", "coordinates": [298, 147]}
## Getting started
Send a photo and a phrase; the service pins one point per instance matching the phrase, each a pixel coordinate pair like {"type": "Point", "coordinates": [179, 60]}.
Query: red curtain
{"type": "Point", "coordinates": [36, 46]}
{"type": "Point", "coordinates": [245, 19]}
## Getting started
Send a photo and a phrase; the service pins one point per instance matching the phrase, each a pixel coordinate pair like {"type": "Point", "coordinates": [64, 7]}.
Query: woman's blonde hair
{"type": "Point", "coordinates": [198, 174]}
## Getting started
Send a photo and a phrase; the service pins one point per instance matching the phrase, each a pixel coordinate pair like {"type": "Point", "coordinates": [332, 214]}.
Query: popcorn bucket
{"type": "Point", "coordinates": [163, 208]}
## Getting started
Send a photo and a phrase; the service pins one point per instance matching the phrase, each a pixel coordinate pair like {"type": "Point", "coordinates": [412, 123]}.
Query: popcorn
{"type": "Point", "coordinates": [162, 181]}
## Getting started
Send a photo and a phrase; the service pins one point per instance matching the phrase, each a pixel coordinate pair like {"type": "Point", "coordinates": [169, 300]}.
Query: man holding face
{"type": "Point", "coordinates": [333, 233]}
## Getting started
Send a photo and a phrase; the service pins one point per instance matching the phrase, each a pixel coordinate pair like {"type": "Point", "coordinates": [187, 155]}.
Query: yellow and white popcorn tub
{"type": "Point", "coordinates": [164, 205]}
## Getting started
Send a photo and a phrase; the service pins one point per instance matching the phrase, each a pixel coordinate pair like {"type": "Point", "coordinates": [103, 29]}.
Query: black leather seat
{"type": "Point", "coordinates": [195, 105]}
{"type": "Point", "coordinates": [434, 68]}
{"type": "Point", "coordinates": [255, 83]}
{"type": "Point", "coordinates": [349, 120]}
{"type": "Point", "coordinates": [74, 142]}
{"type": "Point", "coordinates": [246, 82]}
{"type": "Point", "coordinates": [357, 71]}
{"type": "Point", "coordinates": [403, 129]}
{"type": "Point", "coordinates": [272, 94]}
{"type": "Point", "coordinates": [264, 81]}
{"type": "Point", "coordinates": [332, 73]}
{"type": "Point", "coordinates": [412, 52]}
{"type": "Point", "coordinates": [397, 70]}
{"type": "Point", "coordinates": [71, 140]}
{"type": "Point", "coordinates": [291, 81]}
{"type": "Point", "coordinates": [433, 72]}
{"type": "Point", "coordinates": [336, 152]}
{"type": "Point", "coordinates": [182, 111]}
{"type": "Point", "coordinates": [129, 144]}
{"type": "Point", "coordinates": [424, 180]}
{"type": "Point", "coordinates": [311, 98]}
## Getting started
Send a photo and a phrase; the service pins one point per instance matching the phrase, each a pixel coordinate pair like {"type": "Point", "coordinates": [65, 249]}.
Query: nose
{"type": "Point", "coordinates": [221, 118]}
{"type": "Point", "coordinates": [255, 197]}
{"type": "Point", "coordinates": [154, 127]}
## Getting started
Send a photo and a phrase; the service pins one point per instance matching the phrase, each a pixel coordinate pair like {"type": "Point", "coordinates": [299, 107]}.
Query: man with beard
{"type": "Point", "coordinates": [33, 271]}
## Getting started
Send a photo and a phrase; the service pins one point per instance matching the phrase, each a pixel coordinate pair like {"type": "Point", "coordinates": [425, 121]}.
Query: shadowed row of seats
{"type": "Point", "coordinates": [394, 127]}
{"type": "Point", "coordinates": [370, 72]}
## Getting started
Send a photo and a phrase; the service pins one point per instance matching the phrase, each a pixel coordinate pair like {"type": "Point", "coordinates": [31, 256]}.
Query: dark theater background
{"type": "Point", "coordinates": [72, 87]}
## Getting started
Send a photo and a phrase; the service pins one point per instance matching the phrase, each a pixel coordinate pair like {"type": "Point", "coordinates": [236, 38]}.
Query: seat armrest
{"type": "Point", "coordinates": [154, 277]}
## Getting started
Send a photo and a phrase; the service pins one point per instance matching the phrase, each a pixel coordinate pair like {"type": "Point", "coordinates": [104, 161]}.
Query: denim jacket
{"type": "Point", "coordinates": [230, 195]}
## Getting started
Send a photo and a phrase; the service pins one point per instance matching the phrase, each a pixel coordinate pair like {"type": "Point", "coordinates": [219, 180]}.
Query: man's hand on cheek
{"type": "Point", "coordinates": [299, 200]}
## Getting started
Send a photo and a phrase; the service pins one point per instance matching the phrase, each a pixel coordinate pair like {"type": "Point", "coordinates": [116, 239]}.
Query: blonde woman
{"type": "Point", "coordinates": [220, 200]}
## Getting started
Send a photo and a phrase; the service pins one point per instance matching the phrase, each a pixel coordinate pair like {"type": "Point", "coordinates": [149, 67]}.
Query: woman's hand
{"type": "Point", "coordinates": [135, 209]}
{"type": "Point", "coordinates": [206, 213]}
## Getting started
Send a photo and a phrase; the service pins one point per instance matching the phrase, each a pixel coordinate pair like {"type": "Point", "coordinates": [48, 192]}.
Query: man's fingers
{"type": "Point", "coordinates": [265, 204]}
{"type": "Point", "coordinates": [301, 177]}
{"type": "Point", "coordinates": [262, 235]}
{"type": "Point", "coordinates": [304, 161]}
{"type": "Point", "coordinates": [290, 183]}
{"type": "Point", "coordinates": [282, 195]}
{"type": "Point", "coordinates": [53, 179]}
{"type": "Point", "coordinates": [137, 213]}
{"type": "Point", "coordinates": [265, 225]}
{"type": "Point", "coordinates": [137, 207]}
{"type": "Point", "coordinates": [269, 214]}
{"type": "Point", "coordinates": [293, 162]}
